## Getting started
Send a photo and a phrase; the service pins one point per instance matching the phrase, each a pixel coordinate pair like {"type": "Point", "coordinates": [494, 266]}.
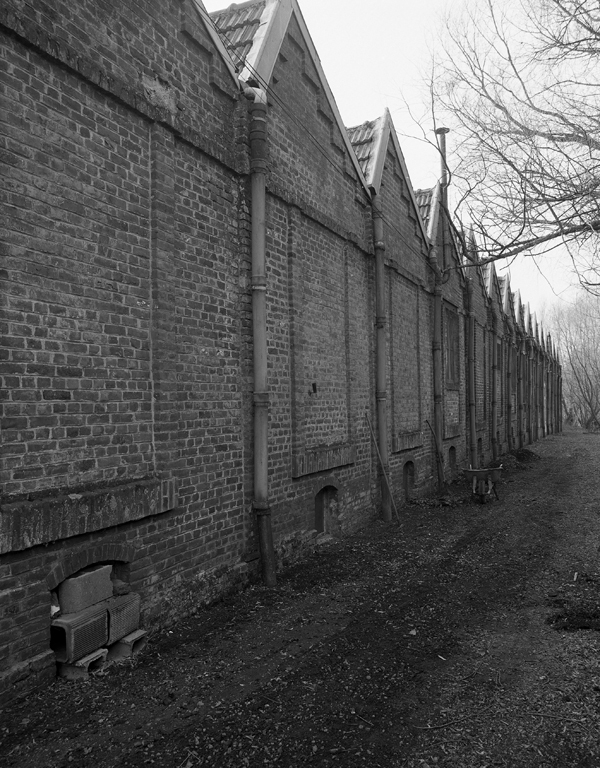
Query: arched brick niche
{"type": "Point", "coordinates": [328, 499]}
{"type": "Point", "coordinates": [100, 553]}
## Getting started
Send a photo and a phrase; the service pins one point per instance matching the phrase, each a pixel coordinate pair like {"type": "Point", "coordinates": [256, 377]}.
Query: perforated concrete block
{"type": "Point", "coordinates": [81, 669]}
{"type": "Point", "coordinates": [128, 647]}
{"type": "Point", "coordinates": [123, 616]}
{"type": "Point", "coordinates": [75, 635]}
{"type": "Point", "coordinates": [86, 588]}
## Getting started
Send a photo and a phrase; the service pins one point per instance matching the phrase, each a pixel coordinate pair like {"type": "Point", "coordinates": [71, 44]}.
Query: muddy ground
{"type": "Point", "coordinates": [463, 636]}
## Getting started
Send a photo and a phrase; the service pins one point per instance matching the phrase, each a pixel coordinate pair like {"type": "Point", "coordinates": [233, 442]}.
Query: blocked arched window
{"type": "Point", "coordinates": [408, 479]}
{"type": "Point", "coordinates": [452, 459]}
{"type": "Point", "coordinates": [327, 510]}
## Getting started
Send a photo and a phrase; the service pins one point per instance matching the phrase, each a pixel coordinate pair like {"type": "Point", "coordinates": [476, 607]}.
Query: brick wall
{"type": "Point", "coordinates": [127, 323]}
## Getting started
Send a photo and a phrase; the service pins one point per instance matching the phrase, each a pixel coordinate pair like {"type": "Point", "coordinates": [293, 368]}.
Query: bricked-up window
{"type": "Point", "coordinates": [452, 349]}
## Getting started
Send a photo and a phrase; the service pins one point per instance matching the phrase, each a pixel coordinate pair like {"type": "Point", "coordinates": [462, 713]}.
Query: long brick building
{"type": "Point", "coordinates": [229, 322]}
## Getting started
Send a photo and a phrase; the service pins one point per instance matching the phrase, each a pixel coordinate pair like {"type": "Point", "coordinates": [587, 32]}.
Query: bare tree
{"type": "Point", "coordinates": [577, 334]}
{"type": "Point", "coordinates": [519, 81]}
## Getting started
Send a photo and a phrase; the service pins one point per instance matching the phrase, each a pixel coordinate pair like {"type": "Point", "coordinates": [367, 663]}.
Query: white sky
{"type": "Point", "coordinates": [376, 54]}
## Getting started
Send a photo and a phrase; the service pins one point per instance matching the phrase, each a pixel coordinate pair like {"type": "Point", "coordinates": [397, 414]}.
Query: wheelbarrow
{"type": "Point", "coordinates": [484, 481]}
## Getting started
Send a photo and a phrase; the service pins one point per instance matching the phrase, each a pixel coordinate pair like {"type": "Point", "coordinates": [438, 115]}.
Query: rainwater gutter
{"type": "Point", "coordinates": [381, 356]}
{"type": "Point", "coordinates": [471, 375]}
{"type": "Point", "coordinates": [258, 169]}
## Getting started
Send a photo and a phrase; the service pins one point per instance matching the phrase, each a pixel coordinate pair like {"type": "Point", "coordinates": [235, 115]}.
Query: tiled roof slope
{"type": "Point", "coordinates": [424, 198]}
{"type": "Point", "coordinates": [364, 141]}
{"type": "Point", "coordinates": [238, 25]}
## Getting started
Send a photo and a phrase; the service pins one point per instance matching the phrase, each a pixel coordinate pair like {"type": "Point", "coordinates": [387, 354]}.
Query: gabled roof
{"type": "Point", "coordinates": [370, 142]}
{"type": "Point", "coordinates": [366, 140]}
{"type": "Point", "coordinates": [239, 25]}
{"type": "Point", "coordinates": [424, 198]}
{"type": "Point", "coordinates": [216, 39]}
{"type": "Point", "coordinates": [493, 285]}
{"type": "Point", "coordinates": [254, 32]}
{"type": "Point", "coordinates": [508, 299]}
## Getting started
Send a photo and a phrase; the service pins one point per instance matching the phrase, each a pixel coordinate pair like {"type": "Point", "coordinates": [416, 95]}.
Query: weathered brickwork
{"type": "Point", "coordinates": [127, 322]}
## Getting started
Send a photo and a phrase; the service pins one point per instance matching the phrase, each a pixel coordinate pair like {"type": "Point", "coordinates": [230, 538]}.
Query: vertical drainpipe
{"type": "Point", "coordinates": [509, 378]}
{"type": "Point", "coordinates": [437, 365]}
{"type": "Point", "coordinates": [529, 395]}
{"type": "Point", "coordinates": [520, 367]}
{"type": "Point", "coordinates": [559, 412]}
{"type": "Point", "coordinates": [495, 451]}
{"type": "Point", "coordinates": [438, 416]}
{"type": "Point", "coordinates": [258, 168]}
{"type": "Point", "coordinates": [381, 355]}
{"type": "Point", "coordinates": [471, 376]}
{"type": "Point", "coordinates": [550, 393]}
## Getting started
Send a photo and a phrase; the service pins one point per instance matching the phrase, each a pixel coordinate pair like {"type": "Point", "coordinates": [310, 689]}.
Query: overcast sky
{"type": "Point", "coordinates": [376, 54]}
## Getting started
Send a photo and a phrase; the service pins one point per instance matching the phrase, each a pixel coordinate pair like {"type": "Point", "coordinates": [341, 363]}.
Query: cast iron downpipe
{"type": "Point", "coordinates": [381, 356]}
{"type": "Point", "coordinates": [520, 386]}
{"type": "Point", "coordinates": [437, 348]}
{"type": "Point", "coordinates": [471, 375]}
{"type": "Point", "coordinates": [495, 452]}
{"type": "Point", "coordinates": [437, 366]}
{"type": "Point", "coordinates": [559, 395]}
{"type": "Point", "coordinates": [258, 168]}
{"type": "Point", "coordinates": [529, 404]}
{"type": "Point", "coordinates": [438, 415]}
{"type": "Point", "coordinates": [509, 379]}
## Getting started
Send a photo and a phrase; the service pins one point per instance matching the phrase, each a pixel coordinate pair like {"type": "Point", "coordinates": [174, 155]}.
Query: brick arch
{"type": "Point", "coordinates": [74, 562]}
{"type": "Point", "coordinates": [329, 480]}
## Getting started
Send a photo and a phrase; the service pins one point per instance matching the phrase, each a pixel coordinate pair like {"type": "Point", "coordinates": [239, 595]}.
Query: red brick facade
{"type": "Point", "coordinates": [127, 348]}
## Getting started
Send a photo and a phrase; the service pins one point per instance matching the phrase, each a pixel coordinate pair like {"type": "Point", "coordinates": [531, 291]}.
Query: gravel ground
{"type": "Point", "coordinates": [463, 635]}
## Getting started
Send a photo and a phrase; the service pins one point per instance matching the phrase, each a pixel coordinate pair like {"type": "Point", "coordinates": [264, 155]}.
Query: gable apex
{"type": "Point", "coordinates": [254, 32]}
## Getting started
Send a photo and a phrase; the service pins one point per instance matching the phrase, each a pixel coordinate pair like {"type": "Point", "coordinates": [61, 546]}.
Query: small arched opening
{"type": "Point", "coordinates": [327, 511]}
{"type": "Point", "coordinates": [408, 480]}
{"type": "Point", "coordinates": [452, 459]}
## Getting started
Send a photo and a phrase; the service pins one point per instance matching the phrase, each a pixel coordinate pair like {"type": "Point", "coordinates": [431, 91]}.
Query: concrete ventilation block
{"type": "Point", "coordinates": [86, 588]}
{"type": "Point", "coordinates": [76, 634]}
{"type": "Point", "coordinates": [123, 616]}
{"type": "Point", "coordinates": [81, 669]}
{"type": "Point", "coordinates": [128, 647]}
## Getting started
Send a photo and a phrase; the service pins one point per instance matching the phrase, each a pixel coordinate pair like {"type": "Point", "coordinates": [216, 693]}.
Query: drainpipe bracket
{"type": "Point", "coordinates": [258, 165]}
{"type": "Point", "coordinates": [261, 507]}
{"type": "Point", "coordinates": [381, 395]}
{"type": "Point", "coordinates": [261, 399]}
{"type": "Point", "coordinates": [259, 283]}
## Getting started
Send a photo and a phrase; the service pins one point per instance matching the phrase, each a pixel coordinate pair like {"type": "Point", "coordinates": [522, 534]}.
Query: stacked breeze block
{"type": "Point", "coordinates": [86, 588]}
{"type": "Point", "coordinates": [76, 634]}
{"type": "Point", "coordinates": [123, 616]}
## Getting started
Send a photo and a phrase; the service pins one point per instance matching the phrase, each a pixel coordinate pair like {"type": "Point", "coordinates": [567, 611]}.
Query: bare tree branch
{"type": "Point", "coordinates": [518, 83]}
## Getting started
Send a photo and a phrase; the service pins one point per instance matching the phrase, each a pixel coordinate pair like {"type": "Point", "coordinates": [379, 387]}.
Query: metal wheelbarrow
{"type": "Point", "coordinates": [484, 481]}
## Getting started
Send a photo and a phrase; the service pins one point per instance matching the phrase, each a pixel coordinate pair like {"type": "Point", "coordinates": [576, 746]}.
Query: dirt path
{"type": "Point", "coordinates": [442, 641]}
